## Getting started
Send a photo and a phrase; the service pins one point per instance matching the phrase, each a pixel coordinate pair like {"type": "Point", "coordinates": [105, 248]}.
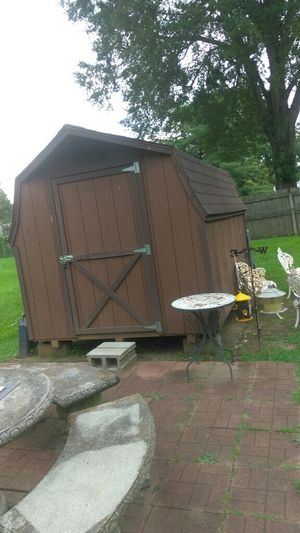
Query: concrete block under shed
{"type": "Point", "coordinates": [113, 355]}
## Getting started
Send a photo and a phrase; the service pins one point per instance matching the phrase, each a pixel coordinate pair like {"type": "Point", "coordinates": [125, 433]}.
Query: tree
{"type": "Point", "coordinates": [5, 208]}
{"type": "Point", "coordinates": [246, 160]}
{"type": "Point", "coordinates": [164, 55]}
{"type": "Point", "coordinates": [218, 127]}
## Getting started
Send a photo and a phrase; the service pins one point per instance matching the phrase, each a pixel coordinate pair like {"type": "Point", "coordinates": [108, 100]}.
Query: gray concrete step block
{"type": "Point", "coordinates": [112, 356]}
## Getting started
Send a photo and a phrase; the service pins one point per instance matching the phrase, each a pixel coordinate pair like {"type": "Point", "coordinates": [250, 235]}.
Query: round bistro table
{"type": "Point", "coordinates": [206, 308]}
{"type": "Point", "coordinates": [23, 401]}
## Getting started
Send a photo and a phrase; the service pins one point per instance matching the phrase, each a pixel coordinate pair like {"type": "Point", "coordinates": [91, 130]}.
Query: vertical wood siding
{"type": "Point", "coordinates": [175, 226]}
{"type": "Point", "coordinates": [273, 214]}
{"type": "Point", "coordinates": [224, 236]}
{"type": "Point", "coordinates": [39, 263]}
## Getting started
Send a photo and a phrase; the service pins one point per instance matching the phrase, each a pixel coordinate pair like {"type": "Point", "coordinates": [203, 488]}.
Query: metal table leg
{"type": "Point", "coordinates": [210, 330]}
{"type": "Point", "coordinates": [201, 340]}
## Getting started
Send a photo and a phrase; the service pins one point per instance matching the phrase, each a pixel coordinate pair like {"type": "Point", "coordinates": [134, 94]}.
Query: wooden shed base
{"type": "Point", "coordinates": [188, 343]}
{"type": "Point", "coordinates": [54, 348]}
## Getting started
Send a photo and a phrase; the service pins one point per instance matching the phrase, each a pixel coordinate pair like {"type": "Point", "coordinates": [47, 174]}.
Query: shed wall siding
{"type": "Point", "coordinates": [38, 259]}
{"type": "Point", "coordinates": [223, 236]}
{"type": "Point", "coordinates": [175, 226]}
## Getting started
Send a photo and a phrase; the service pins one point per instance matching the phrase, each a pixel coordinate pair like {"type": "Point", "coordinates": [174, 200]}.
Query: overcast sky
{"type": "Point", "coordinates": [39, 52]}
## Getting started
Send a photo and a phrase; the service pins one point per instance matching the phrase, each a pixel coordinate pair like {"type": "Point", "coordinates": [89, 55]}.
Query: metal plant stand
{"type": "Point", "coordinates": [206, 309]}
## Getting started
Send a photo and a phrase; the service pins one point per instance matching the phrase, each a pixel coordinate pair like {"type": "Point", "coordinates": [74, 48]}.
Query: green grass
{"type": "Point", "coordinates": [11, 308]}
{"type": "Point", "coordinates": [297, 485]}
{"type": "Point", "coordinates": [206, 458]}
{"type": "Point", "coordinates": [290, 467]}
{"type": "Point", "coordinates": [269, 261]}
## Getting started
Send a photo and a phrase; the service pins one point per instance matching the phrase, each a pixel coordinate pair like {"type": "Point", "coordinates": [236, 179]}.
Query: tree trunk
{"type": "Point", "coordinates": [284, 164]}
{"type": "Point", "coordinates": [282, 141]}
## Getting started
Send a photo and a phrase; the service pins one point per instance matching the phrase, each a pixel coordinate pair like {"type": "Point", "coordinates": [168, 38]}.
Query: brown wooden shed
{"type": "Point", "coordinates": [108, 231]}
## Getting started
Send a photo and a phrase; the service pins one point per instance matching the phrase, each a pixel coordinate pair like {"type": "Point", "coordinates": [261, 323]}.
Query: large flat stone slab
{"type": "Point", "coordinates": [25, 404]}
{"type": "Point", "coordinates": [74, 382]}
{"type": "Point", "coordinates": [105, 462]}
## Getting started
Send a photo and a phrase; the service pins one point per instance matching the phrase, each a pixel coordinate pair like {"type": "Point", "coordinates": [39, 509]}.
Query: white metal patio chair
{"type": "Point", "coordinates": [287, 263]}
{"type": "Point", "coordinates": [294, 278]}
{"type": "Point", "coordinates": [260, 283]}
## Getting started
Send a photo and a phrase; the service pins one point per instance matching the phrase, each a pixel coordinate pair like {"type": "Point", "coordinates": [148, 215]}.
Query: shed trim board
{"type": "Point", "coordinates": [58, 250]}
{"type": "Point", "coordinates": [129, 256]}
{"type": "Point", "coordinates": [23, 291]}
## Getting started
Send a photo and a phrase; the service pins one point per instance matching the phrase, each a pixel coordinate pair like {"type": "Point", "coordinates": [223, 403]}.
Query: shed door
{"type": "Point", "coordinates": [106, 252]}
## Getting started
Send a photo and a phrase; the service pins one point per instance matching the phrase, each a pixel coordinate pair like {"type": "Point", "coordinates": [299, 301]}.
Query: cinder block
{"type": "Point", "coordinates": [112, 355]}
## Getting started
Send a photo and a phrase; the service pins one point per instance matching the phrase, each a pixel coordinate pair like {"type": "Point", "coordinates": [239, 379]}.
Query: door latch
{"type": "Point", "coordinates": [64, 259]}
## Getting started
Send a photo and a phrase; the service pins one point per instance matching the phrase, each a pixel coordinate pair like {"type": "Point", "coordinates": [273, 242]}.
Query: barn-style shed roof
{"type": "Point", "coordinates": [211, 187]}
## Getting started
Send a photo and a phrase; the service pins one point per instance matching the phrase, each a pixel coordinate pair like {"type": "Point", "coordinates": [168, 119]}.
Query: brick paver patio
{"type": "Point", "coordinates": [227, 455]}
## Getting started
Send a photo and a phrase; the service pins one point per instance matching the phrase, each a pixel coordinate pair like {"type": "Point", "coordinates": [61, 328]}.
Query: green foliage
{"type": "Point", "coordinates": [213, 128]}
{"type": "Point", "coordinates": [297, 485]}
{"type": "Point", "coordinates": [217, 132]}
{"type": "Point", "coordinates": [290, 466]}
{"type": "Point", "coordinates": [5, 250]}
{"type": "Point", "coordinates": [11, 309]}
{"type": "Point", "coordinates": [5, 208]}
{"type": "Point", "coordinates": [234, 65]}
{"type": "Point", "coordinates": [296, 438]}
{"type": "Point", "coordinates": [206, 458]}
{"type": "Point", "coordinates": [250, 175]}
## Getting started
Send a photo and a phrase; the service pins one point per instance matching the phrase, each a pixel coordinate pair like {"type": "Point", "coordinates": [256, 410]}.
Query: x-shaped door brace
{"type": "Point", "coordinates": [110, 291]}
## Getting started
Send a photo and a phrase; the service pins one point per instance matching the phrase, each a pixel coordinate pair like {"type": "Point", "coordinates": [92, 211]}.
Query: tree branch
{"type": "Point", "coordinates": [295, 107]}
{"type": "Point", "coordinates": [292, 83]}
{"type": "Point", "coordinates": [256, 87]}
{"type": "Point", "coordinates": [209, 40]}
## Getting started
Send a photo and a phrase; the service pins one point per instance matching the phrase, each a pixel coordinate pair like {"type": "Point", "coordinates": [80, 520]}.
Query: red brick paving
{"type": "Point", "coordinates": [226, 455]}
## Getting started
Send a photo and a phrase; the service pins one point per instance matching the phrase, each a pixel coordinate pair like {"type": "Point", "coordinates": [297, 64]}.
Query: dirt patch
{"type": "Point", "coordinates": [267, 332]}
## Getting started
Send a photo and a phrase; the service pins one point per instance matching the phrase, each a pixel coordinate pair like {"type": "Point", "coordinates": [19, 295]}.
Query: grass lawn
{"type": "Point", "coordinates": [11, 308]}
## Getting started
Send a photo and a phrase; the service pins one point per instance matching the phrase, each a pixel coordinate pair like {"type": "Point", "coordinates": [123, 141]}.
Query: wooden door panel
{"type": "Point", "coordinates": [135, 280]}
{"type": "Point", "coordinates": [94, 244]}
{"type": "Point", "coordinates": [128, 238]}
{"type": "Point", "coordinates": [100, 232]}
{"type": "Point", "coordinates": [111, 241]}
{"type": "Point", "coordinates": [88, 311]}
{"type": "Point", "coordinates": [76, 241]}
{"type": "Point", "coordinates": [106, 195]}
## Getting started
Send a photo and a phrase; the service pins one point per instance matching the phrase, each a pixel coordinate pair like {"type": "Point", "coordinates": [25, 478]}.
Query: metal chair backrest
{"type": "Point", "coordinates": [294, 279]}
{"type": "Point", "coordinates": [243, 273]}
{"type": "Point", "coordinates": [286, 260]}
